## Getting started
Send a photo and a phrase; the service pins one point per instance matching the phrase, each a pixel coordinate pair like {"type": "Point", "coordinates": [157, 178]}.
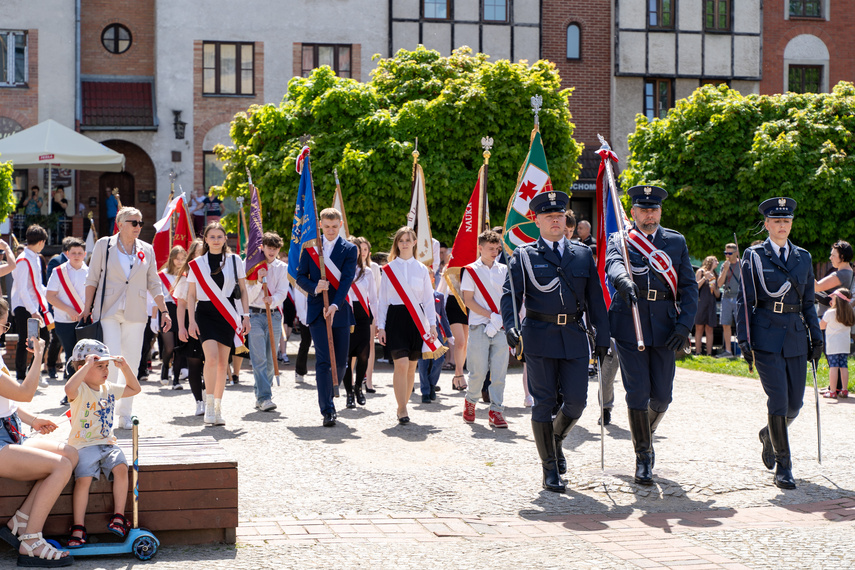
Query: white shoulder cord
{"type": "Point", "coordinates": [549, 287]}
{"type": "Point", "coordinates": [779, 294]}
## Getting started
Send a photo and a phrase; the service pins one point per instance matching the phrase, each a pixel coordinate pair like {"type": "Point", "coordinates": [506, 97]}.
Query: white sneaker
{"type": "Point", "coordinates": [218, 413]}
{"type": "Point", "coordinates": [210, 416]}
{"type": "Point", "coordinates": [266, 406]}
{"type": "Point", "coordinates": [528, 402]}
{"type": "Point", "coordinates": [43, 382]}
{"type": "Point", "coordinates": [125, 423]}
{"type": "Point", "coordinates": [200, 408]}
{"type": "Point", "coordinates": [164, 381]}
{"type": "Point", "coordinates": [230, 382]}
{"type": "Point", "coordinates": [183, 374]}
{"type": "Point", "coordinates": [299, 378]}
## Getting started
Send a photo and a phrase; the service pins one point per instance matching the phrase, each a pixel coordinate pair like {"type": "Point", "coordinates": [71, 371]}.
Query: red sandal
{"type": "Point", "coordinates": [119, 525]}
{"type": "Point", "coordinates": [831, 394]}
{"type": "Point", "coordinates": [77, 541]}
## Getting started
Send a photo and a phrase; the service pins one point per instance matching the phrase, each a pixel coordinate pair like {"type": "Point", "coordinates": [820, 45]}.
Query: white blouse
{"type": "Point", "coordinates": [413, 273]}
{"type": "Point", "coordinates": [229, 278]}
{"type": "Point", "coordinates": [7, 406]}
{"type": "Point", "coordinates": [366, 283]}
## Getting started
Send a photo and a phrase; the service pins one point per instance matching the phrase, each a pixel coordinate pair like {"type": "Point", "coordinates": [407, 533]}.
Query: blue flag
{"type": "Point", "coordinates": [304, 230]}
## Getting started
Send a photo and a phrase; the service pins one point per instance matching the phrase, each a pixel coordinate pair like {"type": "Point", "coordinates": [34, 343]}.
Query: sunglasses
{"type": "Point", "coordinates": [729, 252]}
{"type": "Point", "coordinates": [134, 223]}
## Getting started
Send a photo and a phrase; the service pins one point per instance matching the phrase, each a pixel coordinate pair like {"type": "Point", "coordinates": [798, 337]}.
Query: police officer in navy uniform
{"type": "Point", "coordinates": [648, 375]}
{"type": "Point", "coordinates": [784, 329]}
{"type": "Point", "coordinates": [559, 283]}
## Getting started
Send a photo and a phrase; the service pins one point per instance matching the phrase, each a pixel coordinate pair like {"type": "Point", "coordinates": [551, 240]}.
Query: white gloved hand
{"type": "Point", "coordinates": [491, 330]}
{"type": "Point", "coordinates": [496, 321]}
{"type": "Point", "coordinates": [154, 325]}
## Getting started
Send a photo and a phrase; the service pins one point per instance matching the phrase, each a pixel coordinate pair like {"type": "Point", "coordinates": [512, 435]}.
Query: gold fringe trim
{"type": "Point", "coordinates": [241, 350]}
{"type": "Point", "coordinates": [435, 354]}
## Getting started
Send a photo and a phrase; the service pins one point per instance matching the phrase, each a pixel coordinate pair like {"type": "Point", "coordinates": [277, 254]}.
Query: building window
{"type": "Point", "coordinates": [228, 68]}
{"type": "Point", "coordinates": [574, 42]}
{"type": "Point", "coordinates": [336, 57]}
{"type": "Point", "coordinates": [213, 173]}
{"type": "Point", "coordinates": [660, 14]}
{"type": "Point", "coordinates": [805, 79]}
{"type": "Point", "coordinates": [13, 58]}
{"type": "Point", "coordinates": [116, 38]}
{"type": "Point", "coordinates": [715, 82]}
{"type": "Point", "coordinates": [806, 8]}
{"type": "Point", "coordinates": [495, 10]}
{"type": "Point", "coordinates": [657, 98]}
{"type": "Point", "coordinates": [717, 15]}
{"type": "Point", "coordinates": [437, 9]}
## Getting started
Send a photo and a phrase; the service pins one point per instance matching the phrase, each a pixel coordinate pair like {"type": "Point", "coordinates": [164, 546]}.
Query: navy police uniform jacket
{"type": "Point", "coordinates": [308, 274]}
{"type": "Point", "coordinates": [782, 333]}
{"type": "Point", "coordinates": [658, 318]}
{"type": "Point", "coordinates": [584, 293]}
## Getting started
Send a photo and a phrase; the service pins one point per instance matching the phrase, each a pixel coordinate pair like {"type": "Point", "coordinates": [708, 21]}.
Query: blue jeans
{"type": "Point", "coordinates": [429, 371]}
{"type": "Point", "coordinates": [484, 353]}
{"type": "Point", "coordinates": [259, 352]}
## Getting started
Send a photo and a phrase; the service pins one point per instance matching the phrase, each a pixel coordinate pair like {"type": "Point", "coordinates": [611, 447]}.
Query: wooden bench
{"type": "Point", "coordinates": [188, 493]}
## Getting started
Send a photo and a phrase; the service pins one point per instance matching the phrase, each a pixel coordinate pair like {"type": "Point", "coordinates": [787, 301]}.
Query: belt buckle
{"type": "Point", "coordinates": [651, 294]}
{"type": "Point", "coordinates": [562, 319]}
{"type": "Point", "coordinates": [778, 307]}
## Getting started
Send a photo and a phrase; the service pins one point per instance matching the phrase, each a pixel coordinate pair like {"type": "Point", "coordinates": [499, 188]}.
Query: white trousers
{"type": "Point", "coordinates": [123, 338]}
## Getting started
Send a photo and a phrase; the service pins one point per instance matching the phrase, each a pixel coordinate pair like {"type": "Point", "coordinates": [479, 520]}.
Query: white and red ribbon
{"type": "Point", "coordinates": [43, 304]}
{"type": "Point", "coordinates": [334, 277]}
{"type": "Point", "coordinates": [431, 349]}
{"type": "Point", "coordinates": [217, 297]}
{"type": "Point", "coordinates": [70, 291]}
{"type": "Point", "coordinates": [659, 260]}
{"type": "Point", "coordinates": [482, 288]}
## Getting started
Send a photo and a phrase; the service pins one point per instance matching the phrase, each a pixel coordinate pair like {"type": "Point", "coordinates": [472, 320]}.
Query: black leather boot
{"type": "Point", "coordinates": [561, 426]}
{"type": "Point", "coordinates": [768, 454]}
{"type": "Point", "coordinates": [639, 427]}
{"type": "Point", "coordinates": [654, 418]}
{"type": "Point", "coordinates": [781, 446]}
{"type": "Point", "coordinates": [545, 439]}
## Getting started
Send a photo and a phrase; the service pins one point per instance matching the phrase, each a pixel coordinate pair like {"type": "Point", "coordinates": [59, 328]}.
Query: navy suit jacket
{"type": "Point", "coordinates": [658, 318]}
{"type": "Point", "coordinates": [778, 332]}
{"type": "Point", "coordinates": [344, 257]}
{"type": "Point", "coordinates": [547, 339]}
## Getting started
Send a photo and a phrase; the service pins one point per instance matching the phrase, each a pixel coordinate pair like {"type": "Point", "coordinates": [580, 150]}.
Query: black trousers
{"type": "Point", "coordinates": [21, 316]}
{"type": "Point", "coordinates": [360, 348]}
{"type": "Point", "coordinates": [301, 366]}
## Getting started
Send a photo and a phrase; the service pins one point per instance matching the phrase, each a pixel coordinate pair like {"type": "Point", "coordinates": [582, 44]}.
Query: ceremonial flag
{"type": "Point", "coordinates": [607, 221]}
{"type": "Point", "coordinates": [476, 218]}
{"type": "Point", "coordinates": [255, 258]}
{"type": "Point", "coordinates": [161, 243]}
{"type": "Point", "coordinates": [533, 179]}
{"type": "Point", "coordinates": [418, 218]}
{"type": "Point", "coordinates": [304, 229]}
{"type": "Point", "coordinates": [91, 237]}
{"type": "Point", "coordinates": [338, 204]}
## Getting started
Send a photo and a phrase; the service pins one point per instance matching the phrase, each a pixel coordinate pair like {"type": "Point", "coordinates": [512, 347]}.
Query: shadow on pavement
{"type": "Point", "coordinates": [217, 432]}
{"type": "Point", "coordinates": [412, 431]}
{"type": "Point", "coordinates": [263, 417]}
{"type": "Point", "coordinates": [484, 431]}
{"type": "Point", "coordinates": [336, 434]}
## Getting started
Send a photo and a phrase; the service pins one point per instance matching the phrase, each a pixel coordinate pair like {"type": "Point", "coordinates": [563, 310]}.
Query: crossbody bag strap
{"type": "Point", "coordinates": [104, 281]}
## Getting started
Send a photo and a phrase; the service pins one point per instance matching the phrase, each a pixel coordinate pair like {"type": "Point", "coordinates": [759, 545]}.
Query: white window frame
{"type": "Point", "coordinates": [10, 59]}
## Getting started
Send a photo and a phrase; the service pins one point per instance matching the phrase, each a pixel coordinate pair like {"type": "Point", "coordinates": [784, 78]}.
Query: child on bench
{"type": "Point", "coordinates": [93, 402]}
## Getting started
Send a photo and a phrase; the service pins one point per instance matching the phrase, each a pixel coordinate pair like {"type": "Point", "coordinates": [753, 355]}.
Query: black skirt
{"type": "Point", "coordinates": [212, 325]}
{"type": "Point", "coordinates": [455, 314]}
{"type": "Point", "coordinates": [402, 336]}
{"type": "Point", "coordinates": [289, 312]}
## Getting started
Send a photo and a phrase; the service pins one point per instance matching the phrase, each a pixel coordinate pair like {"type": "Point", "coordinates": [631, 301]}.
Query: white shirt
{"type": "Point", "coordinates": [376, 270]}
{"type": "Point", "coordinates": [550, 246]}
{"type": "Point", "coordinates": [367, 288]}
{"type": "Point", "coordinates": [836, 334]}
{"type": "Point", "coordinates": [411, 273]}
{"type": "Point", "coordinates": [23, 294]}
{"type": "Point", "coordinates": [328, 246]}
{"type": "Point", "coordinates": [277, 286]}
{"type": "Point", "coordinates": [179, 292]}
{"type": "Point", "coordinates": [77, 280]}
{"type": "Point", "coordinates": [167, 298]}
{"type": "Point", "coordinates": [777, 249]}
{"type": "Point", "coordinates": [301, 303]}
{"type": "Point", "coordinates": [228, 275]}
{"type": "Point", "coordinates": [7, 406]}
{"type": "Point", "coordinates": [496, 282]}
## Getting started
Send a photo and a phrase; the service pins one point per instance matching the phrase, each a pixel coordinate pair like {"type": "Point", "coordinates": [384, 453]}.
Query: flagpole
{"type": "Point", "coordinates": [325, 293]}
{"type": "Point", "coordinates": [171, 216]}
{"type": "Point", "coordinates": [263, 282]}
{"type": "Point", "coordinates": [487, 144]}
{"type": "Point", "coordinates": [341, 201]}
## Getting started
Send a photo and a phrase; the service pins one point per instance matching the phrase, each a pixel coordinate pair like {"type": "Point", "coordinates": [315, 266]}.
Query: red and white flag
{"type": "Point", "coordinates": [181, 236]}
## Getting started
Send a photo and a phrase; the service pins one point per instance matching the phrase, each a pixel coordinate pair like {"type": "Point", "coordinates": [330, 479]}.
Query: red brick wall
{"type": "Point", "coordinates": [591, 75]}
{"type": "Point", "coordinates": [137, 16]}
{"type": "Point", "coordinates": [210, 111]}
{"type": "Point", "coordinates": [836, 33]}
{"type": "Point", "coordinates": [22, 103]}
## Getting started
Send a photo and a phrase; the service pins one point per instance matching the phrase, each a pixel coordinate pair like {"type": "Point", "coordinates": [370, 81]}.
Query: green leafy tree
{"type": "Point", "coordinates": [7, 196]}
{"type": "Point", "coordinates": [719, 154]}
{"type": "Point", "coordinates": [367, 131]}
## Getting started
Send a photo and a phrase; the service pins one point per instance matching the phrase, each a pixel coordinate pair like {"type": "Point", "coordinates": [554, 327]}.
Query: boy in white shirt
{"type": "Point", "coordinates": [66, 290]}
{"type": "Point", "coordinates": [28, 295]}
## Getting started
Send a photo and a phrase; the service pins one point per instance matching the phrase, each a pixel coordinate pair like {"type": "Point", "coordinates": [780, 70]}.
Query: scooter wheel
{"type": "Point", "coordinates": [145, 547]}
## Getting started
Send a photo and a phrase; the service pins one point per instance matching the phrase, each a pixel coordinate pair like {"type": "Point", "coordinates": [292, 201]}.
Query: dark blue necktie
{"type": "Point", "coordinates": [556, 250]}
{"type": "Point", "coordinates": [783, 255]}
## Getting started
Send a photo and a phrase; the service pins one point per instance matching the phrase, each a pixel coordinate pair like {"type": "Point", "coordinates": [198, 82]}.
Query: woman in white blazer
{"type": "Point", "coordinates": [131, 273]}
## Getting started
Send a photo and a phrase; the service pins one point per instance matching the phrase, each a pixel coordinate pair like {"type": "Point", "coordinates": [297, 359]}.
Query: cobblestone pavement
{"type": "Point", "coordinates": [442, 493]}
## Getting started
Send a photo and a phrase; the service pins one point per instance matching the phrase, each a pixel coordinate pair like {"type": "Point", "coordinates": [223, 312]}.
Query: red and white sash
{"type": "Point", "coordinates": [68, 287]}
{"type": "Point", "coordinates": [334, 277]}
{"type": "Point", "coordinates": [430, 349]}
{"type": "Point", "coordinates": [488, 294]}
{"type": "Point", "coordinates": [167, 284]}
{"type": "Point", "coordinates": [658, 259]}
{"type": "Point", "coordinates": [37, 288]}
{"type": "Point", "coordinates": [218, 298]}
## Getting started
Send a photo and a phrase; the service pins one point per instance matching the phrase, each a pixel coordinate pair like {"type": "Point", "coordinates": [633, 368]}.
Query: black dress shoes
{"type": "Point", "coordinates": [606, 418]}
{"type": "Point", "coordinates": [404, 420]}
{"type": "Point", "coordinates": [329, 420]}
{"type": "Point", "coordinates": [351, 401]}
{"type": "Point", "coordinates": [360, 397]}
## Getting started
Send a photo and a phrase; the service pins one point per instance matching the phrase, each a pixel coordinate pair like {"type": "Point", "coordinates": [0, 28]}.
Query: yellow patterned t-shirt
{"type": "Point", "coordinates": [92, 415]}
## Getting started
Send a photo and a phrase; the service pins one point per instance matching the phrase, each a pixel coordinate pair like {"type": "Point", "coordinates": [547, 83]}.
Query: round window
{"type": "Point", "coordinates": [116, 38]}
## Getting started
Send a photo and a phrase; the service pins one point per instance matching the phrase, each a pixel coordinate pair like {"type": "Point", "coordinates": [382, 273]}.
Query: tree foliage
{"type": "Point", "coordinates": [367, 131]}
{"type": "Point", "coordinates": [719, 154]}
{"type": "Point", "coordinates": [8, 202]}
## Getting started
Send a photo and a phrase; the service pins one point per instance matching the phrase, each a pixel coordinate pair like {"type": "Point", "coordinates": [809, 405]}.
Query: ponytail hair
{"type": "Point", "coordinates": [844, 313]}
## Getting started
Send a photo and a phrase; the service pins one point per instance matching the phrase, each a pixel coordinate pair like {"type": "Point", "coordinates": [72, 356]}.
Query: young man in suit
{"type": "Point", "coordinates": [341, 255]}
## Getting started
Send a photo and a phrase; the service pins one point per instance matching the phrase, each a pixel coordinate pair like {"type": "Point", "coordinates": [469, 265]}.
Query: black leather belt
{"type": "Point", "coordinates": [257, 310]}
{"type": "Point", "coordinates": [656, 295]}
{"type": "Point", "coordinates": [562, 319]}
{"type": "Point", "coordinates": [777, 307]}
